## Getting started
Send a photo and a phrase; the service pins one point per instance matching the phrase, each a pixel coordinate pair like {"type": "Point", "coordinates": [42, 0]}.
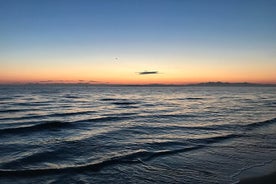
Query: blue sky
{"type": "Point", "coordinates": [160, 33]}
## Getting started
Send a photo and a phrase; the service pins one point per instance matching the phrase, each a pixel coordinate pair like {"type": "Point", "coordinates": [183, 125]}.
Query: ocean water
{"type": "Point", "coordinates": [87, 134]}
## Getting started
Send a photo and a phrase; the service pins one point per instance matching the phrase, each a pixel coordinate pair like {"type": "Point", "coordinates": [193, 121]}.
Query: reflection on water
{"type": "Point", "coordinates": [74, 133]}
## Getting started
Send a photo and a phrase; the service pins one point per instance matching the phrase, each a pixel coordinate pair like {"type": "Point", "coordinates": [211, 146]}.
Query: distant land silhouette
{"type": "Point", "coordinates": [230, 84]}
{"type": "Point", "coordinates": [215, 84]}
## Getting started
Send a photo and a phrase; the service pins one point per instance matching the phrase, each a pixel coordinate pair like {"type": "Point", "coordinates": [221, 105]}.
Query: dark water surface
{"type": "Point", "coordinates": [85, 134]}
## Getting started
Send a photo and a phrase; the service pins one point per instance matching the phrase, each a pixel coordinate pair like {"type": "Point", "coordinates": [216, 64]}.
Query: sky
{"type": "Point", "coordinates": [137, 41]}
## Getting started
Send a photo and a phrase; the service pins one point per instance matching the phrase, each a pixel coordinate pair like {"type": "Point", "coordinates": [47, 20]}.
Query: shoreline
{"type": "Point", "coordinates": [264, 174]}
{"type": "Point", "coordinates": [267, 179]}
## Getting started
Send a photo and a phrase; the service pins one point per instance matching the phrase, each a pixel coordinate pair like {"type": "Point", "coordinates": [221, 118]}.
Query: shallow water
{"type": "Point", "coordinates": [86, 134]}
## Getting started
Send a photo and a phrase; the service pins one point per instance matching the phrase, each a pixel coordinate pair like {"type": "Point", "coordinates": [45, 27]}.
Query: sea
{"type": "Point", "coordinates": [134, 134]}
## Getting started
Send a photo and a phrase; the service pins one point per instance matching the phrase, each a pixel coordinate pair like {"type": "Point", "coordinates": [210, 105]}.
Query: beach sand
{"type": "Point", "coordinates": [267, 179]}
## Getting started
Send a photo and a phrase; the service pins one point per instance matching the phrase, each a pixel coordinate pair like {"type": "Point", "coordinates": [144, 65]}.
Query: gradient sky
{"type": "Point", "coordinates": [111, 41]}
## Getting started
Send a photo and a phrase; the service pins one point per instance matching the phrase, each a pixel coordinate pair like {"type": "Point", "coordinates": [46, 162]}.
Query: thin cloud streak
{"type": "Point", "coordinates": [148, 73]}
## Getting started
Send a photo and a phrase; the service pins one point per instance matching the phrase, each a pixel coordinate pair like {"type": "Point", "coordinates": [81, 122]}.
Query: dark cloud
{"type": "Point", "coordinates": [148, 72]}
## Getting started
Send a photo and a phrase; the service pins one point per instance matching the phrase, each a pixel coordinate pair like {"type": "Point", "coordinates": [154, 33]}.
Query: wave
{"type": "Point", "coordinates": [39, 127]}
{"type": "Point", "coordinates": [235, 126]}
{"type": "Point", "coordinates": [190, 98]}
{"type": "Point", "coordinates": [136, 157]}
{"type": "Point", "coordinates": [47, 125]}
{"type": "Point", "coordinates": [189, 144]}
{"type": "Point", "coordinates": [126, 116]}
{"type": "Point", "coordinates": [195, 141]}
{"type": "Point", "coordinates": [109, 99]}
{"type": "Point", "coordinates": [55, 125]}
{"type": "Point", "coordinates": [139, 156]}
{"type": "Point", "coordinates": [71, 96]}
{"type": "Point", "coordinates": [128, 107]}
{"type": "Point", "coordinates": [50, 115]}
{"type": "Point", "coordinates": [23, 127]}
{"type": "Point", "coordinates": [15, 110]}
{"type": "Point", "coordinates": [33, 103]}
{"type": "Point", "coordinates": [113, 117]}
{"type": "Point", "coordinates": [5, 98]}
{"type": "Point", "coordinates": [71, 113]}
{"type": "Point", "coordinates": [116, 101]}
{"type": "Point", "coordinates": [166, 144]}
{"type": "Point", "coordinates": [124, 103]}
{"type": "Point", "coordinates": [216, 139]}
{"type": "Point", "coordinates": [104, 119]}
{"type": "Point", "coordinates": [260, 124]}
{"type": "Point", "coordinates": [225, 126]}
{"type": "Point", "coordinates": [207, 127]}
{"type": "Point", "coordinates": [171, 116]}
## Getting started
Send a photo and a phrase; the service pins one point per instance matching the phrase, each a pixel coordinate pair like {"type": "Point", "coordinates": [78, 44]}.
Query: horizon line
{"type": "Point", "coordinates": [209, 83]}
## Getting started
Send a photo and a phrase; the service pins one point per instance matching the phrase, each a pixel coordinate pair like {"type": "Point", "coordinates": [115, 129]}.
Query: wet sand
{"type": "Point", "coordinates": [267, 179]}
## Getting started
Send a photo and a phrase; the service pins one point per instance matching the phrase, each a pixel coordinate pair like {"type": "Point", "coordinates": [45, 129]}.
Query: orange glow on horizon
{"type": "Point", "coordinates": [129, 74]}
{"type": "Point", "coordinates": [120, 81]}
